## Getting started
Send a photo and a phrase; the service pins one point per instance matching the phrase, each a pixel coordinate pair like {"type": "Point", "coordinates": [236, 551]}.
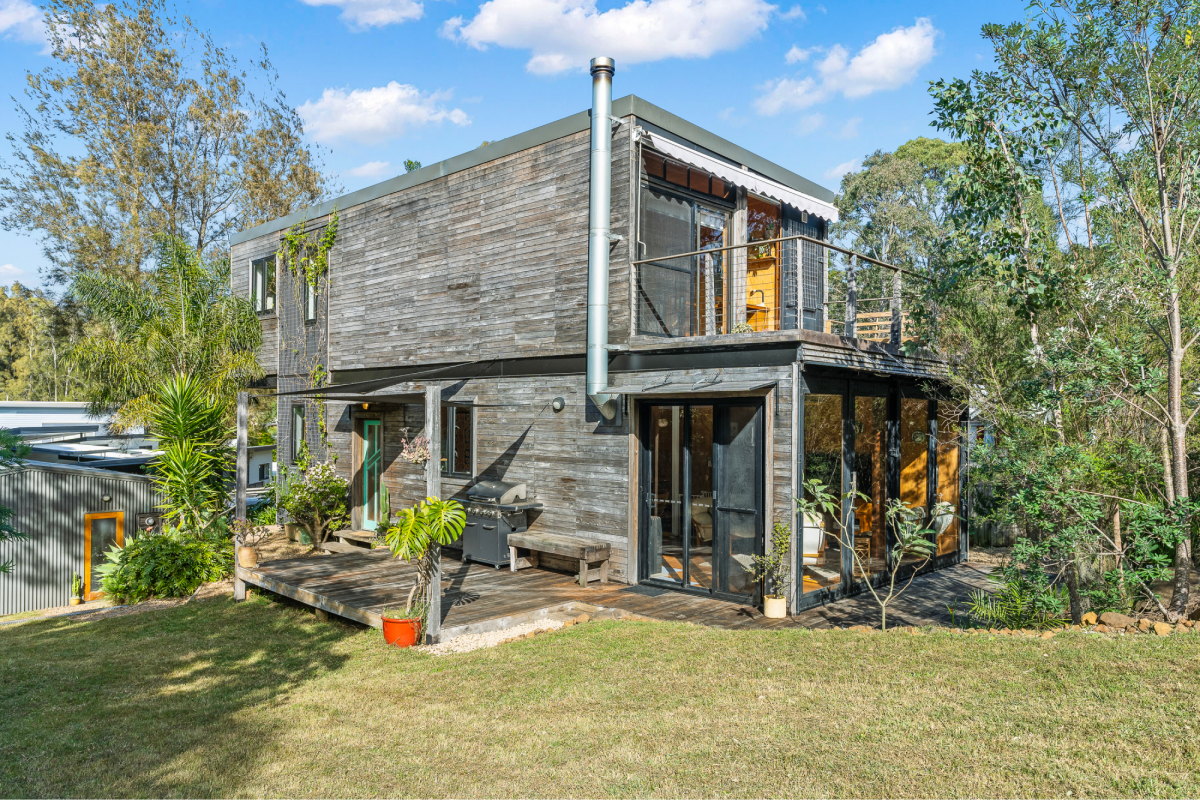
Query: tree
{"type": "Point", "coordinates": [1081, 187]}
{"type": "Point", "coordinates": [193, 436]}
{"type": "Point", "coordinates": [12, 453]}
{"type": "Point", "coordinates": [36, 337]}
{"type": "Point", "coordinates": [144, 126]}
{"type": "Point", "coordinates": [181, 319]}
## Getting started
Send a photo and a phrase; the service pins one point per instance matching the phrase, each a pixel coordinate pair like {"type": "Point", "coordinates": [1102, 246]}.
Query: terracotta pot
{"type": "Point", "coordinates": [247, 557]}
{"type": "Point", "coordinates": [774, 607]}
{"type": "Point", "coordinates": [76, 601]}
{"type": "Point", "coordinates": [401, 632]}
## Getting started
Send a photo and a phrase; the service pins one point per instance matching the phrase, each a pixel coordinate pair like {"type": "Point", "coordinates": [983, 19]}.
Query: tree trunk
{"type": "Point", "coordinates": [1073, 591]}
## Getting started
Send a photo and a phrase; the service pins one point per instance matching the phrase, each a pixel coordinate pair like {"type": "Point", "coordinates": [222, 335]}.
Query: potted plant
{"type": "Point", "coordinates": [773, 570]}
{"type": "Point", "coordinates": [403, 627]}
{"type": "Point", "coordinates": [418, 536]}
{"type": "Point", "coordinates": [247, 536]}
{"type": "Point", "coordinates": [76, 589]}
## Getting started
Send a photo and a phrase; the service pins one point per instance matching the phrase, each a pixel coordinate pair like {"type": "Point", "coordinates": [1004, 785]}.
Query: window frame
{"type": "Point", "coordinates": [300, 427]}
{"type": "Point", "coordinates": [310, 302]}
{"type": "Point", "coordinates": [448, 439]}
{"type": "Point", "coordinates": [263, 276]}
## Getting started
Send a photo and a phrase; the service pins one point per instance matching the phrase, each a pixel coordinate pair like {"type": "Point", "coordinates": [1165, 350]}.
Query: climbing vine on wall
{"type": "Point", "coordinates": [306, 256]}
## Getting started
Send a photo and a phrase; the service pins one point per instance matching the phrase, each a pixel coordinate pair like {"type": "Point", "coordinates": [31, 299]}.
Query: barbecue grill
{"type": "Point", "coordinates": [494, 510]}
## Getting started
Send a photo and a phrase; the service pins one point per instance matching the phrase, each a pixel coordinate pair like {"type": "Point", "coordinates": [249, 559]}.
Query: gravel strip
{"type": "Point", "coordinates": [475, 641]}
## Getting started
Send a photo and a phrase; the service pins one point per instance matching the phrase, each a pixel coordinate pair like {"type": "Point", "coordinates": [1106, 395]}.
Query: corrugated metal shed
{"type": "Point", "coordinates": [50, 501]}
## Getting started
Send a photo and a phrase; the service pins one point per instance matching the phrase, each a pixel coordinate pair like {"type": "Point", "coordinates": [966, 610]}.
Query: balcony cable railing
{"type": "Point", "coordinates": [873, 326]}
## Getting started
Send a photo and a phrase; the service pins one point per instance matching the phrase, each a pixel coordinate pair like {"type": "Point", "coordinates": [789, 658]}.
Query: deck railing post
{"type": "Point", "coordinates": [897, 310]}
{"type": "Point", "coordinates": [852, 298]}
{"type": "Point", "coordinates": [239, 586]}
{"type": "Point", "coordinates": [433, 488]}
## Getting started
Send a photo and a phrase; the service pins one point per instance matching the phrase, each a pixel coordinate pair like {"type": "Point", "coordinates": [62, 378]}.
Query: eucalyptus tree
{"type": "Point", "coordinates": [1080, 195]}
{"type": "Point", "coordinates": [144, 126]}
{"type": "Point", "coordinates": [179, 319]}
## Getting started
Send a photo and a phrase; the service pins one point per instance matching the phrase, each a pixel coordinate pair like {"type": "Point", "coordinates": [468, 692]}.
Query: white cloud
{"type": "Point", "coordinates": [371, 169]}
{"type": "Point", "coordinates": [363, 14]}
{"type": "Point", "coordinates": [797, 54]}
{"type": "Point", "coordinates": [9, 269]}
{"type": "Point", "coordinates": [22, 20]}
{"type": "Point", "coordinates": [564, 34]}
{"type": "Point", "coordinates": [810, 123]}
{"type": "Point", "coordinates": [841, 170]}
{"type": "Point", "coordinates": [850, 128]}
{"type": "Point", "coordinates": [375, 115]}
{"type": "Point", "coordinates": [795, 12]}
{"type": "Point", "coordinates": [889, 62]}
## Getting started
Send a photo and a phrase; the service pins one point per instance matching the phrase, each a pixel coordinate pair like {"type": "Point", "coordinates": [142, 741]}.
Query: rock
{"type": "Point", "coordinates": [1163, 629]}
{"type": "Point", "coordinates": [1102, 628]}
{"type": "Point", "coordinates": [583, 618]}
{"type": "Point", "coordinates": [1144, 624]}
{"type": "Point", "coordinates": [1075, 627]}
{"type": "Point", "coordinates": [1089, 618]}
{"type": "Point", "coordinates": [862, 628]}
{"type": "Point", "coordinates": [1131, 629]}
{"type": "Point", "coordinates": [1048, 635]}
{"type": "Point", "coordinates": [568, 623]}
{"type": "Point", "coordinates": [1187, 623]}
{"type": "Point", "coordinates": [1114, 620]}
{"type": "Point", "coordinates": [992, 630]}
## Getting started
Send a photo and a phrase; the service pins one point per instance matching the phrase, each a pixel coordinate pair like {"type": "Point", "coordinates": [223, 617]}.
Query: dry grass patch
{"type": "Point", "coordinates": [257, 699]}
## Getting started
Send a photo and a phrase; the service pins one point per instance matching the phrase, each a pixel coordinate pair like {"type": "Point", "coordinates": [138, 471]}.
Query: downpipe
{"type": "Point", "coordinates": [599, 212]}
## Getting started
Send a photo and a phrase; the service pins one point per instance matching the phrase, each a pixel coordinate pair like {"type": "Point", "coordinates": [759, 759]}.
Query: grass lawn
{"type": "Point", "coordinates": [213, 698]}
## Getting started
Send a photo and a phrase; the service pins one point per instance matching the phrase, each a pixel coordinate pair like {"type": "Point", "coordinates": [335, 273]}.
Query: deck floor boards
{"type": "Point", "coordinates": [372, 580]}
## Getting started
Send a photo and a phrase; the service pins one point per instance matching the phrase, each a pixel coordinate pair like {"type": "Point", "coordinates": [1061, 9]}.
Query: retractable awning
{"type": "Point", "coordinates": [742, 177]}
{"type": "Point", "coordinates": [675, 387]}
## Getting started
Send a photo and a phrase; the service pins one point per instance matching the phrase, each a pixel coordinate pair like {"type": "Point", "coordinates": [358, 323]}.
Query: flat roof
{"type": "Point", "coordinates": [630, 105]}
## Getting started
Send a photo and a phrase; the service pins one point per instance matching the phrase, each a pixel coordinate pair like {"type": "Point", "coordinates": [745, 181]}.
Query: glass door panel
{"type": "Point", "coordinates": [762, 265]}
{"type": "Point", "coordinates": [739, 496]}
{"type": "Point", "coordinates": [665, 541]}
{"type": "Point", "coordinates": [710, 291]}
{"type": "Point", "coordinates": [372, 462]}
{"type": "Point", "coordinates": [946, 525]}
{"type": "Point", "coordinates": [820, 542]}
{"type": "Point", "coordinates": [101, 532]}
{"type": "Point", "coordinates": [870, 473]}
{"type": "Point", "coordinates": [914, 459]}
{"type": "Point", "coordinates": [700, 491]}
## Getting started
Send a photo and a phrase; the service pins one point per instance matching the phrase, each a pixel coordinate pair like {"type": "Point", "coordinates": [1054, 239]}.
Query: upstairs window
{"type": "Point", "coordinates": [457, 436]}
{"type": "Point", "coordinates": [310, 303]}
{"type": "Point", "coordinates": [298, 432]}
{"type": "Point", "coordinates": [262, 284]}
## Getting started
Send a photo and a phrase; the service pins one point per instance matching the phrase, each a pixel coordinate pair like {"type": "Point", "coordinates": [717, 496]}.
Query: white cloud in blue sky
{"type": "Point", "coordinates": [563, 35]}
{"type": "Point", "coordinates": [363, 14]}
{"type": "Point", "coordinates": [371, 169]}
{"type": "Point", "coordinates": [889, 62]}
{"type": "Point", "coordinates": [22, 20]}
{"type": "Point", "coordinates": [372, 116]}
{"type": "Point", "coordinates": [835, 174]}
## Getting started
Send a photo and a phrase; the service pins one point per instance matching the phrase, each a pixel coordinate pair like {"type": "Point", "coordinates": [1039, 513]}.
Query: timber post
{"type": "Point", "coordinates": [433, 488]}
{"type": "Point", "coordinates": [852, 297]}
{"type": "Point", "coordinates": [897, 310]}
{"type": "Point", "coordinates": [243, 413]}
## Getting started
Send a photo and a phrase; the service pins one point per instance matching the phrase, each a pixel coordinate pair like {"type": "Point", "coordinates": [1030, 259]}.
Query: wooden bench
{"type": "Point", "coordinates": [585, 551]}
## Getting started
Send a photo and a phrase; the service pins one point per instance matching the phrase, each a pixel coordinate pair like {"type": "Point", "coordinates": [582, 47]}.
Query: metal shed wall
{"type": "Point", "coordinates": [49, 502]}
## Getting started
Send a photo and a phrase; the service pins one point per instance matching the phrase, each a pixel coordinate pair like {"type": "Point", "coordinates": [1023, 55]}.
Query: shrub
{"type": "Point", "coordinates": [171, 564]}
{"type": "Point", "coordinates": [1024, 600]}
{"type": "Point", "coordinates": [317, 500]}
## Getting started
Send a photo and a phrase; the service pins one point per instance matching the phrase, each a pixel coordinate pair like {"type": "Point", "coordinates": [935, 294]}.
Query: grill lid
{"type": "Point", "coordinates": [496, 492]}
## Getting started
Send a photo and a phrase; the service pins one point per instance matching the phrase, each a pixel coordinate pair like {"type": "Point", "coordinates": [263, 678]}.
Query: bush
{"type": "Point", "coordinates": [171, 564]}
{"type": "Point", "coordinates": [1024, 600]}
{"type": "Point", "coordinates": [317, 500]}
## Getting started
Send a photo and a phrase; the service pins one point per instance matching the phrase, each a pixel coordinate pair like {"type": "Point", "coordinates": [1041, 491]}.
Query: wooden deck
{"type": "Point", "coordinates": [479, 598]}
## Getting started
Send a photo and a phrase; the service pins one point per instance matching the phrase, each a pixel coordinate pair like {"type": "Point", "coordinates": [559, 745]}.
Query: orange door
{"type": "Point", "coordinates": [101, 531]}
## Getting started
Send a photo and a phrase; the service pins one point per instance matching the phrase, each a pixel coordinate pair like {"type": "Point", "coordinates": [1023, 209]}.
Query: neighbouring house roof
{"type": "Point", "coordinates": [661, 123]}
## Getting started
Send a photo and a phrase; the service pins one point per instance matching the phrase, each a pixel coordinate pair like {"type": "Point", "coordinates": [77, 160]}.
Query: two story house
{"type": "Point", "coordinates": [631, 316]}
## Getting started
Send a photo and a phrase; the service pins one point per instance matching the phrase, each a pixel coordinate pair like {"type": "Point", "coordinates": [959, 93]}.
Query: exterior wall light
{"type": "Point", "coordinates": [558, 404]}
{"type": "Point", "coordinates": [366, 406]}
{"type": "Point", "coordinates": [106, 498]}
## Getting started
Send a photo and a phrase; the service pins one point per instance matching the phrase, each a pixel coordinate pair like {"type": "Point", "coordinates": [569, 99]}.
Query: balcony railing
{"type": "Point", "coordinates": [762, 286]}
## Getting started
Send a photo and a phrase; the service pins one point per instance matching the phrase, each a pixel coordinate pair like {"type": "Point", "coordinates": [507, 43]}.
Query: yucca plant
{"type": "Point", "coordinates": [190, 423]}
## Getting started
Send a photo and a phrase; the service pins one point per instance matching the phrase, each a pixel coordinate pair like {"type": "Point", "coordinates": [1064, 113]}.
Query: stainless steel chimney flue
{"type": "Point", "coordinates": [599, 209]}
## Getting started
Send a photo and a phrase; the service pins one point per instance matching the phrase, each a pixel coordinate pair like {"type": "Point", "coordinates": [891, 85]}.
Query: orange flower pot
{"type": "Point", "coordinates": [401, 632]}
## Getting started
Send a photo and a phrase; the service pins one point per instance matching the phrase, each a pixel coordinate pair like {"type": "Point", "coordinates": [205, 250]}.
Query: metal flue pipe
{"type": "Point", "coordinates": [599, 207]}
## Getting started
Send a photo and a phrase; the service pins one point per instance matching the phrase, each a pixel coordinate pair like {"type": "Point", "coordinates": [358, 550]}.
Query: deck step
{"type": "Point", "coordinates": [340, 547]}
{"type": "Point", "coordinates": [366, 537]}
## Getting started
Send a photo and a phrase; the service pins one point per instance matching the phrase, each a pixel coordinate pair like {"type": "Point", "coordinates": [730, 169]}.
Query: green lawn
{"type": "Point", "coordinates": [214, 698]}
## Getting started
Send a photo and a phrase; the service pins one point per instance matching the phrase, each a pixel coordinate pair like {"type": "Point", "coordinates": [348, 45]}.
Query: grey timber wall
{"type": "Point", "coordinates": [50, 502]}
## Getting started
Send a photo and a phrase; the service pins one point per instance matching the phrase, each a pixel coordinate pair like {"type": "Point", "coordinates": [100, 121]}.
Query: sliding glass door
{"type": "Point", "coordinates": [702, 495]}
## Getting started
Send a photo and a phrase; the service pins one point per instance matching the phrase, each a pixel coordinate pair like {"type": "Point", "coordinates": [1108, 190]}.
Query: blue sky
{"type": "Point", "coordinates": [813, 87]}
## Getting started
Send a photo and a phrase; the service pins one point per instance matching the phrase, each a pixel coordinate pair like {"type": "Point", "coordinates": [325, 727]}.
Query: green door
{"type": "Point", "coordinates": [372, 461]}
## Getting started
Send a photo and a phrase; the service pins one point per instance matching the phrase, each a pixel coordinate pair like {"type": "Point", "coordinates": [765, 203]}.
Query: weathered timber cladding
{"type": "Point", "coordinates": [577, 468]}
{"type": "Point", "coordinates": [484, 263]}
{"type": "Point", "coordinates": [239, 270]}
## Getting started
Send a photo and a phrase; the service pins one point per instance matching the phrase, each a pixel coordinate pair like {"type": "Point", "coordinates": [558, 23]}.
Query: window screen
{"type": "Point", "coordinates": [298, 432]}
{"type": "Point", "coordinates": [665, 287]}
